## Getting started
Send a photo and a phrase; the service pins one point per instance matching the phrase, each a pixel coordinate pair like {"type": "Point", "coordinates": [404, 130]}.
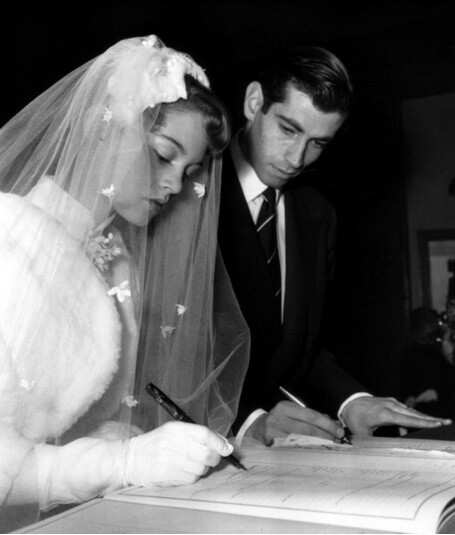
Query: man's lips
{"type": "Point", "coordinates": [288, 173]}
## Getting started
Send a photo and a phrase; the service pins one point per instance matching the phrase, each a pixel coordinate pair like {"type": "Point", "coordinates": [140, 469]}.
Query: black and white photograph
{"type": "Point", "coordinates": [227, 266]}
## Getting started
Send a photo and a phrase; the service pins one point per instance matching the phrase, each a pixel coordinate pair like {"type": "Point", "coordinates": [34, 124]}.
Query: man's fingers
{"type": "Point", "coordinates": [409, 421]}
{"type": "Point", "coordinates": [402, 415]}
{"type": "Point", "coordinates": [308, 429]}
{"type": "Point", "coordinates": [288, 417]}
{"type": "Point", "coordinates": [370, 412]}
{"type": "Point", "coordinates": [411, 412]}
{"type": "Point", "coordinates": [317, 420]}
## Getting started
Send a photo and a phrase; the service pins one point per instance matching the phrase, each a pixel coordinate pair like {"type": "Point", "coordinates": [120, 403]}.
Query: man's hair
{"type": "Point", "coordinates": [314, 71]}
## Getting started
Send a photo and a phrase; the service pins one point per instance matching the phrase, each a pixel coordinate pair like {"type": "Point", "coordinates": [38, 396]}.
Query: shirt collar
{"type": "Point", "coordinates": [249, 181]}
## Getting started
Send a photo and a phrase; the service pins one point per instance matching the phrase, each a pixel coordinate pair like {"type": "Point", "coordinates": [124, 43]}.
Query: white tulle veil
{"type": "Point", "coordinates": [93, 307]}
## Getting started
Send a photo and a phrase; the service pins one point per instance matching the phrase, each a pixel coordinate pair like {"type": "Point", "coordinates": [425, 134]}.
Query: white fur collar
{"type": "Point", "coordinates": [52, 199]}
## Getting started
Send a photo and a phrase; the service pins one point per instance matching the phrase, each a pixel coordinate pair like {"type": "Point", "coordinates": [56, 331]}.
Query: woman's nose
{"type": "Point", "coordinates": [173, 182]}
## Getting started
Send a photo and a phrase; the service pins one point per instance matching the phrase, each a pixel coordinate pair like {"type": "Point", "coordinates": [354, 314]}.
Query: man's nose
{"type": "Point", "coordinates": [296, 155]}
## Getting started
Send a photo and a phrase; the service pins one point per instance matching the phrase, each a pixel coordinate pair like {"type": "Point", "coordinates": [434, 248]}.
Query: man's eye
{"type": "Point", "coordinates": [319, 144]}
{"type": "Point", "coordinates": [286, 129]}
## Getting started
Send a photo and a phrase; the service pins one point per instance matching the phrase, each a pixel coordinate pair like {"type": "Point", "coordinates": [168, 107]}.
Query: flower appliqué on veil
{"type": "Point", "coordinates": [181, 309]}
{"type": "Point", "coordinates": [107, 115]}
{"type": "Point", "coordinates": [166, 330]}
{"type": "Point", "coordinates": [122, 291]}
{"type": "Point", "coordinates": [27, 385]}
{"type": "Point", "coordinates": [158, 76]}
{"type": "Point", "coordinates": [199, 189]}
{"type": "Point", "coordinates": [152, 41]}
{"type": "Point", "coordinates": [109, 192]}
{"type": "Point", "coordinates": [101, 252]}
{"type": "Point", "coordinates": [130, 401]}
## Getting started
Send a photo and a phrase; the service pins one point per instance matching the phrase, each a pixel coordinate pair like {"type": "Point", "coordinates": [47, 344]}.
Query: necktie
{"type": "Point", "coordinates": [266, 229]}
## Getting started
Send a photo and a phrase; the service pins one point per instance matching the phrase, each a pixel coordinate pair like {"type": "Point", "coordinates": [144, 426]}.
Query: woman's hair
{"type": "Point", "coordinates": [216, 118]}
{"type": "Point", "coordinates": [312, 70]}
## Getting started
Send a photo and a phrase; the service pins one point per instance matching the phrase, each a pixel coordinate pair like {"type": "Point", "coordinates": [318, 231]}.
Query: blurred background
{"type": "Point", "coordinates": [389, 174]}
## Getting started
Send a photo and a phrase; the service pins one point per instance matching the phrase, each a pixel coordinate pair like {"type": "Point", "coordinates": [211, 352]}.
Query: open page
{"type": "Point", "coordinates": [348, 487]}
{"type": "Point", "coordinates": [389, 446]}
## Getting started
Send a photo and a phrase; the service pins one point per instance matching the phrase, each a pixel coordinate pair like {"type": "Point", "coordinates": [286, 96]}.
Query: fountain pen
{"type": "Point", "coordinates": [176, 412]}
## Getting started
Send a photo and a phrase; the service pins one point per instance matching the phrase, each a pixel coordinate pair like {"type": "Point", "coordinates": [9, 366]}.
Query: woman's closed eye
{"type": "Point", "coordinates": [162, 158]}
{"type": "Point", "coordinates": [165, 159]}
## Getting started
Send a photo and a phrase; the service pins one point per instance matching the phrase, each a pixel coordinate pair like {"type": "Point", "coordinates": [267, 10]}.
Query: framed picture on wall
{"type": "Point", "coordinates": [437, 265]}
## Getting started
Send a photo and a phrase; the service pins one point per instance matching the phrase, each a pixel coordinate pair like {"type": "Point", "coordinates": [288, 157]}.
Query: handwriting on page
{"type": "Point", "coordinates": [317, 488]}
{"type": "Point", "coordinates": [292, 485]}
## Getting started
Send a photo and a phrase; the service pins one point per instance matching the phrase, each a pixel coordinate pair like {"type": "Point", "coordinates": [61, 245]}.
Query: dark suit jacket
{"type": "Point", "coordinates": [291, 355]}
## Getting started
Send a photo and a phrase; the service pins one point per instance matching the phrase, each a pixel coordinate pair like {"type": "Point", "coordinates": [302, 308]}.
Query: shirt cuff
{"type": "Point", "coordinates": [346, 401]}
{"type": "Point", "coordinates": [246, 424]}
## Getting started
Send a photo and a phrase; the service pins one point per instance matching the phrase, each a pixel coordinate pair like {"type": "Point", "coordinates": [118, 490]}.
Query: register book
{"type": "Point", "coordinates": [373, 485]}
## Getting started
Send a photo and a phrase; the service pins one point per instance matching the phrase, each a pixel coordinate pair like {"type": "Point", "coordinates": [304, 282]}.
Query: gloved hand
{"type": "Point", "coordinates": [175, 453]}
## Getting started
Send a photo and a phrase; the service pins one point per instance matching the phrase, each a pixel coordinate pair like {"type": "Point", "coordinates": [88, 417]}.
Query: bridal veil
{"type": "Point", "coordinates": [92, 307]}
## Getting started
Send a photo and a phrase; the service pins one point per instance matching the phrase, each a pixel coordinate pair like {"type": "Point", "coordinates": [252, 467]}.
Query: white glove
{"type": "Point", "coordinates": [78, 471]}
{"type": "Point", "coordinates": [174, 454]}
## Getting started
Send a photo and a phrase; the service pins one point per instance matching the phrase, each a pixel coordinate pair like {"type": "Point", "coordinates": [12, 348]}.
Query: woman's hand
{"type": "Point", "coordinates": [175, 453]}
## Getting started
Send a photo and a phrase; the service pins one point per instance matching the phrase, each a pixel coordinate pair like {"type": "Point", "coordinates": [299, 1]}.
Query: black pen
{"type": "Point", "coordinates": [176, 412]}
{"type": "Point", "coordinates": [295, 399]}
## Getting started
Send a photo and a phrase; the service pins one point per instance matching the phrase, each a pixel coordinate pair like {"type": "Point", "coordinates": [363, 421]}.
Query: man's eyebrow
{"type": "Point", "coordinates": [175, 142]}
{"type": "Point", "coordinates": [290, 122]}
{"type": "Point", "coordinates": [297, 127]}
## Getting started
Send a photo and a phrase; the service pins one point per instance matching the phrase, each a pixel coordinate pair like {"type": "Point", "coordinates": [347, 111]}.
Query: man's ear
{"type": "Point", "coordinates": [254, 99]}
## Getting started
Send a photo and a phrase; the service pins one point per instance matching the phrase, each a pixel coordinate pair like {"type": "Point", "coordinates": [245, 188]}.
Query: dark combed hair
{"type": "Point", "coordinates": [215, 116]}
{"type": "Point", "coordinates": [312, 70]}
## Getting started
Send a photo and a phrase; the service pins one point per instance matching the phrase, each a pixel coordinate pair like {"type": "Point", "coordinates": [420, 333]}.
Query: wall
{"type": "Point", "coordinates": [395, 50]}
{"type": "Point", "coordinates": [429, 161]}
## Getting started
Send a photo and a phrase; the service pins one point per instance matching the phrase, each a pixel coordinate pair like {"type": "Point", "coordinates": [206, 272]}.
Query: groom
{"type": "Point", "coordinates": [282, 277]}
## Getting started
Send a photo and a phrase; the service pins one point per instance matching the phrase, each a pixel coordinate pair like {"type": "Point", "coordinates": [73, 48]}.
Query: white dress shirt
{"type": "Point", "coordinates": [253, 189]}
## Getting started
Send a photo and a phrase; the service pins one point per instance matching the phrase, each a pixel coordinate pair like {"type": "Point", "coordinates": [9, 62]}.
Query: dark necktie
{"type": "Point", "coordinates": [266, 229]}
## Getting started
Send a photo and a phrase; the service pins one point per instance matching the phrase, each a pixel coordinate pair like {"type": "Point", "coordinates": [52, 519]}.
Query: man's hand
{"type": "Point", "coordinates": [364, 415]}
{"type": "Point", "coordinates": [288, 417]}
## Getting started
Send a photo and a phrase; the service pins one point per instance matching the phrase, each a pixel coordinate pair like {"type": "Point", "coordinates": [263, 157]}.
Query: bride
{"type": "Point", "coordinates": [95, 302]}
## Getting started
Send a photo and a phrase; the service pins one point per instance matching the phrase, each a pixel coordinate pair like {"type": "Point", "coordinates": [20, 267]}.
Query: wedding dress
{"type": "Point", "coordinates": [92, 307]}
